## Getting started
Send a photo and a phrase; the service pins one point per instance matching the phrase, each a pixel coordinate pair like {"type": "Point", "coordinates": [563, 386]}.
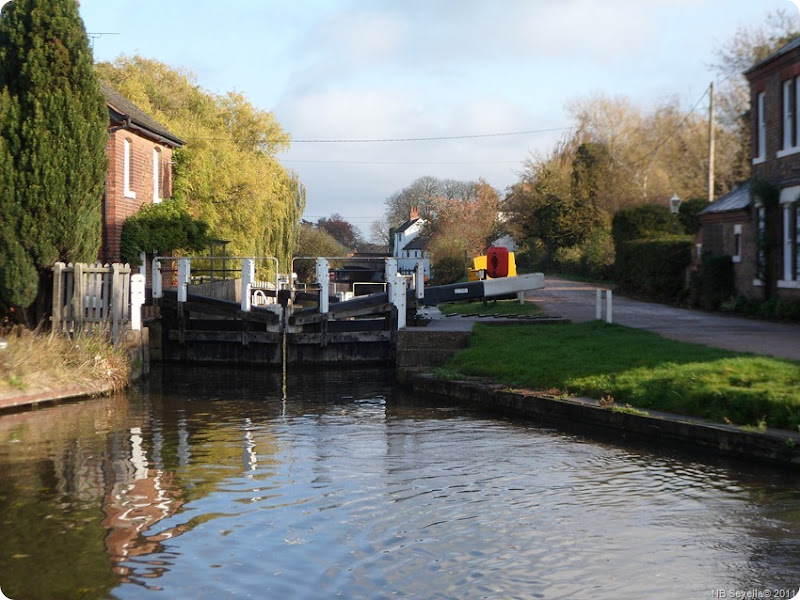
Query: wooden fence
{"type": "Point", "coordinates": [91, 297]}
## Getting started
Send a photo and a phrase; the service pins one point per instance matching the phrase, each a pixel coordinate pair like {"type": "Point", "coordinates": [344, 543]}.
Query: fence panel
{"type": "Point", "coordinates": [91, 297]}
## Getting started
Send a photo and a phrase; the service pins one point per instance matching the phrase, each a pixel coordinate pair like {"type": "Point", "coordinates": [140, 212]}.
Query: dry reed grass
{"type": "Point", "coordinates": [36, 361]}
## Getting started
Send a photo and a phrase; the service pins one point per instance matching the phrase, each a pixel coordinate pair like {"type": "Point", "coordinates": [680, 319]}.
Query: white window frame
{"type": "Point", "coordinates": [791, 277]}
{"type": "Point", "coordinates": [737, 243]}
{"type": "Point", "coordinates": [156, 172]}
{"type": "Point", "coordinates": [789, 118]}
{"type": "Point", "coordinates": [761, 128]}
{"type": "Point", "coordinates": [126, 169]}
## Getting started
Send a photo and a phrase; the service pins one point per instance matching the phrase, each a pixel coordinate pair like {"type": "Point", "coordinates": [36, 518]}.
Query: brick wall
{"type": "Point", "coordinates": [118, 207]}
{"type": "Point", "coordinates": [718, 238]}
{"type": "Point", "coordinates": [782, 172]}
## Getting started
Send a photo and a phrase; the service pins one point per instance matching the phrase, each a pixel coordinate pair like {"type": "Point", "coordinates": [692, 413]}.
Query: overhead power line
{"type": "Point", "coordinates": [674, 131]}
{"type": "Point", "coordinates": [426, 139]}
{"type": "Point", "coordinates": [387, 140]}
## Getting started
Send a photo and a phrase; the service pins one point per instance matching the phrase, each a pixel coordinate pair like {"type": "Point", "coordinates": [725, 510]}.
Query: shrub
{"type": "Point", "coordinates": [788, 308]}
{"type": "Point", "coordinates": [163, 227]}
{"type": "Point", "coordinates": [714, 283]}
{"type": "Point", "coordinates": [643, 222]}
{"type": "Point", "coordinates": [448, 269]}
{"type": "Point", "coordinates": [655, 268]}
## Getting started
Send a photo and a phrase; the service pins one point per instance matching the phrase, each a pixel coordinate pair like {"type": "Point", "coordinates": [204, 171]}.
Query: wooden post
{"type": "Point", "coordinates": [58, 296]}
{"type": "Point", "coordinates": [78, 294]}
{"type": "Point", "coordinates": [116, 301]}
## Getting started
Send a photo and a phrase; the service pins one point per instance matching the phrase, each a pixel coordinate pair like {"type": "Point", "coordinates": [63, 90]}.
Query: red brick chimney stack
{"type": "Point", "coordinates": [414, 213]}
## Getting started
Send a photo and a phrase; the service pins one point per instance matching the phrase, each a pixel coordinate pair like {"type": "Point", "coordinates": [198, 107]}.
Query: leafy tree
{"type": "Point", "coordinates": [425, 195]}
{"type": "Point", "coordinates": [312, 241]}
{"type": "Point", "coordinates": [227, 173]}
{"type": "Point", "coordinates": [464, 227]}
{"type": "Point", "coordinates": [556, 204]}
{"type": "Point", "coordinates": [163, 227]}
{"type": "Point", "coordinates": [342, 231]}
{"type": "Point", "coordinates": [53, 137]}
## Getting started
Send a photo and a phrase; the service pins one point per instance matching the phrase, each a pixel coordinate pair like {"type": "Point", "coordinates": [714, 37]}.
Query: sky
{"type": "Point", "coordinates": [454, 89]}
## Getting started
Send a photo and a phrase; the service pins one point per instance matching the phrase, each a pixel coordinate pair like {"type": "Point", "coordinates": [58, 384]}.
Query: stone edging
{"type": "Point", "coordinates": [44, 396]}
{"type": "Point", "coordinates": [774, 446]}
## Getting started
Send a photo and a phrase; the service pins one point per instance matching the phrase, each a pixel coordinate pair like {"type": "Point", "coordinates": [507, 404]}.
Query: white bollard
{"type": "Point", "coordinates": [248, 276]}
{"type": "Point", "coordinates": [599, 304]}
{"type": "Point", "coordinates": [137, 300]}
{"type": "Point", "coordinates": [184, 273]}
{"type": "Point", "coordinates": [158, 284]}
{"type": "Point", "coordinates": [608, 306]}
{"type": "Point", "coordinates": [321, 271]}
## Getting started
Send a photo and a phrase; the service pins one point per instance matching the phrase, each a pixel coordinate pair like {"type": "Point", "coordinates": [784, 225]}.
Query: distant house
{"type": "Point", "coordinates": [409, 245]}
{"type": "Point", "coordinates": [139, 167]}
{"type": "Point", "coordinates": [775, 122]}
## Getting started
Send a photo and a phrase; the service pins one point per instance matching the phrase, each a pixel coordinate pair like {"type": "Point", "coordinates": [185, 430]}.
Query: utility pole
{"type": "Point", "coordinates": [711, 144]}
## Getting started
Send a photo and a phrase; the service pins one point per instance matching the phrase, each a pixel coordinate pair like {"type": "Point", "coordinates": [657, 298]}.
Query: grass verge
{"type": "Point", "coordinates": [639, 368]}
{"type": "Point", "coordinates": [40, 362]}
{"type": "Point", "coordinates": [493, 307]}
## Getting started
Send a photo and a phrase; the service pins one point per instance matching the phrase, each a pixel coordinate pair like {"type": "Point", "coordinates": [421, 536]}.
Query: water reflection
{"type": "Point", "coordinates": [205, 483]}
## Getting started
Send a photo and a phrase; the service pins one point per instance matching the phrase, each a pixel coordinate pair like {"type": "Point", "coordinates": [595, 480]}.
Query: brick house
{"type": "Point", "coordinates": [775, 121]}
{"type": "Point", "coordinates": [727, 229]}
{"type": "Point", "coordinates": [139, 167]}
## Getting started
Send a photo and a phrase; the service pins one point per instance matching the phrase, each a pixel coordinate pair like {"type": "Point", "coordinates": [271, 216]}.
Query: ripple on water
{"type": "Point", "coordinates": [359, 498]}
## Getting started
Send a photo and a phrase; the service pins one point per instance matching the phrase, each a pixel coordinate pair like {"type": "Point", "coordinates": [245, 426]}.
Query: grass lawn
{"type": "Point", "coordinates": [636, 367]}
{"type": "Point", "coordinates": [493, 307]}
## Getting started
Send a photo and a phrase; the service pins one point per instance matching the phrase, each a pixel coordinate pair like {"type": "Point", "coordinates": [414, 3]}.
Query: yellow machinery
{"type": "Point", "coordinates": [479, 267]}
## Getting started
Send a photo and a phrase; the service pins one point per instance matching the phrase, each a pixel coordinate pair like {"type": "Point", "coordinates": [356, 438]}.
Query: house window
{"type": "Point", "coordinates": [791, 238]}
{"type": "Point", "coordinates": [790, 115]}
{"type": "Point", "coordinates": [737, 244]}
{"type": "Point", "coordinates": [126, 169]}
{"type": "Point", "coordinates": [761, 132]}
{"type": "Point", "coordinates": [156, 176]}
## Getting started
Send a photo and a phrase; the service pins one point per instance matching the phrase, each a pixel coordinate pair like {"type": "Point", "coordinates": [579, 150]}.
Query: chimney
{"type": "Point", "coordinates": [414, 213]}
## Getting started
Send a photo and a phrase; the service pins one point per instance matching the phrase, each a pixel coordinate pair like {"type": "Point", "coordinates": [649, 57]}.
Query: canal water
{"type": "Point", "coordinates": [207, 483]}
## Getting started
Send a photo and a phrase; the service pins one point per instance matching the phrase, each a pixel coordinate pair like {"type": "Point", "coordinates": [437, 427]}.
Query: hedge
{"type": "Point", "coordinates": [655, 268]}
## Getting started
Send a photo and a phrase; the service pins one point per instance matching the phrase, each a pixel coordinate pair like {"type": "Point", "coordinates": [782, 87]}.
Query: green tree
{"type": "Point", "coordinates": [313, 241]}
{"type": "Point", "coordinates": [227, 173]}
{"type": "Point", "coordinates": [53, 123]}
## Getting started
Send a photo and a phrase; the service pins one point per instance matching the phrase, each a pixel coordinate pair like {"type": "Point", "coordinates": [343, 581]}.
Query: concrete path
{"type": "Point", "coordinates": [577, 302]}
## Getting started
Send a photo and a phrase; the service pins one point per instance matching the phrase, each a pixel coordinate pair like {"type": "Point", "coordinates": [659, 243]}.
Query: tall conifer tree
{"type": "Point", "coordinates": [53, 138]}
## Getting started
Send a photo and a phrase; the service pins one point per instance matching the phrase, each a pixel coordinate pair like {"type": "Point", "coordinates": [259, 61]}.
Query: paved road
{"type": "Point", "coordinates": [577, 302]}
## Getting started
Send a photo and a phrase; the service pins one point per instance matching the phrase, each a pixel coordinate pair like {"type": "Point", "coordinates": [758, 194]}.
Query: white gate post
{"type": "Point", "coordinates": [608, 305]}
{"type": "Point", "coordinates": [248, 276]}
{"type": "Point", "coordinates": [184, 273]}
{"type": "Point", "coordinates": [137, 299]}
{"type": "Point", "coordinates": [419, 280]}
{"type": "Point", "coordinates": [397, 296]}
{"type": "Point", "coordinates": [321, 272]}
{"type": "Point", "coordinates": [158, 284]}
{"type": "Point", "coordinates": [390, 270]}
